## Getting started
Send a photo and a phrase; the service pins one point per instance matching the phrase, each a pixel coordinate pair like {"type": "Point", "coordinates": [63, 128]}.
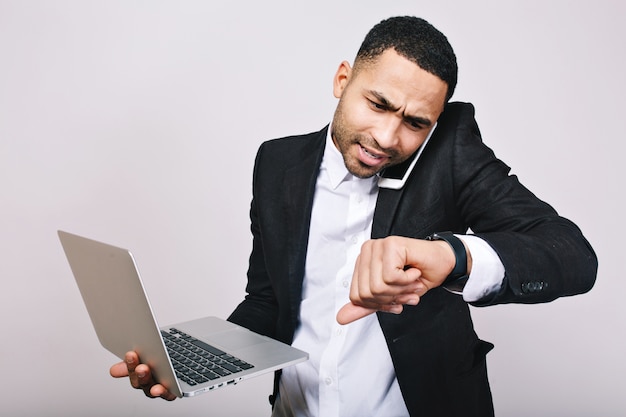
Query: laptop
{"type": "Point", "coordinates": [188, 358]}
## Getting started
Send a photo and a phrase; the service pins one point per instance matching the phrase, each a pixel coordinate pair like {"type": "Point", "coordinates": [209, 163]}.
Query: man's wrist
{"type": "Point", "coordinates": [456, 280]}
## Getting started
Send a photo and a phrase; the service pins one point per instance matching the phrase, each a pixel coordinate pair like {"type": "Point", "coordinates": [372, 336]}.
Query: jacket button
{"type": "Point", "coordinates": [534, 286]}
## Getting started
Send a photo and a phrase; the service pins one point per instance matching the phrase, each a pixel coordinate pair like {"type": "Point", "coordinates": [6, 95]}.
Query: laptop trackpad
{"type": "Point", "coordinates": [235, 339]}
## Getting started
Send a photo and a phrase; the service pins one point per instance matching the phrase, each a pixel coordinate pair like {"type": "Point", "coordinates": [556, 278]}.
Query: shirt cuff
{"type": "Point", "coordinates": [487, 270]}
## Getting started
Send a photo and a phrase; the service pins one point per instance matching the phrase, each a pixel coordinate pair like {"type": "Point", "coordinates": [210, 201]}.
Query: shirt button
{"type": "Point", "coordinates": [354, 240]}
{"type": "Point", "coordinates": [328, 381]}
{"type": "Point", "coordinates": [345, 284]}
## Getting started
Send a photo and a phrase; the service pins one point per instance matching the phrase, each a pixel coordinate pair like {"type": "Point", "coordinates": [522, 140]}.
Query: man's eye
{"type": "Point", "coordinates": [415, 125]}
{"type": "Point", "coordinates": [376, 105]}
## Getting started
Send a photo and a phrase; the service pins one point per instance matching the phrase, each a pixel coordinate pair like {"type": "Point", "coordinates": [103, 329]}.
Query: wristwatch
{"type": "Point", "coordinates": [455, 282]}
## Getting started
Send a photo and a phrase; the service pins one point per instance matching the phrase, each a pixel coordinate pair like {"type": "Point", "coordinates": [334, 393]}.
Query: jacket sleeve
{"type": "Point", "coordinates": [545, 256]}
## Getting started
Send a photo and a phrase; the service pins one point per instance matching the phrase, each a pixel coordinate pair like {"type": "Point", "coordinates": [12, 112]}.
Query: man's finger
{"type": "Point", "coordinates": [350, 312]}
{"type": "Point", "coordinates": [119, 370]}
{"type": "Point", "coordinates": [159, 390]}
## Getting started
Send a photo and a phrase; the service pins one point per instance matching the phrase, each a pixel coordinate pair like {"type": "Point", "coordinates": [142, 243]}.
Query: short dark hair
{"type": "Point", "coordinates": [418, 41]}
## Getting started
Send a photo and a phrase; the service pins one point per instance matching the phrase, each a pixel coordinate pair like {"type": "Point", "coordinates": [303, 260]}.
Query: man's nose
{"type": "Point", "coordinates": [387, 132]}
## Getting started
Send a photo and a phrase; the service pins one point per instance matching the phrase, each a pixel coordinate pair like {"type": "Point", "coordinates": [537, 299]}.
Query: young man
{"type": "Point", "coordinates": [334, 242]}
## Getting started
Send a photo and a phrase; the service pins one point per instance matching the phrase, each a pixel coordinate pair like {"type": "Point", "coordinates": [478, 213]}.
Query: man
{"type": "Point", "coordinates": [315, 276]}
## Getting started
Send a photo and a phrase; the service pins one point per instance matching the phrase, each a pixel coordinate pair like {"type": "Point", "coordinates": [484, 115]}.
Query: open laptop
{"type": "Point", "coordinates": [187, 358]}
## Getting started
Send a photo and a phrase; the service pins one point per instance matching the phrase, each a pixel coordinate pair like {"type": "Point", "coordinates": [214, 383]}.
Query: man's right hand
{"type": "Point", "coordinates": [140, 377]}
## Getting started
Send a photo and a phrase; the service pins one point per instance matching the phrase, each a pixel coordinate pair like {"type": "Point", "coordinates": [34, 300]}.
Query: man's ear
{"type": "Point", "coordinates": [342, 76]}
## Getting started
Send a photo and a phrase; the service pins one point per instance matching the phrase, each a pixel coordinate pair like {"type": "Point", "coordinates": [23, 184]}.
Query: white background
{"type": "Point", "coordinates": [136, 123]}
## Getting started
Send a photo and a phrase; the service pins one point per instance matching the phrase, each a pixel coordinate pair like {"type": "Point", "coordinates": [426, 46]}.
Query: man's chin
{"type": "Point", "coordinates": [363, 171]}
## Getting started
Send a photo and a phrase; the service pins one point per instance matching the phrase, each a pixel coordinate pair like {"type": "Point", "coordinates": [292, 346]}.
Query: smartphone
{"type": "Point", "coordinates": [395, 176]}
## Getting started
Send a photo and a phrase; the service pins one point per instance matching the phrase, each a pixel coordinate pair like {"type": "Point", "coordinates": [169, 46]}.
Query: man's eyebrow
{"type": "Point", "coordinates": [383, 100]}
{"type": "Point", "coordinates": [422, 121]}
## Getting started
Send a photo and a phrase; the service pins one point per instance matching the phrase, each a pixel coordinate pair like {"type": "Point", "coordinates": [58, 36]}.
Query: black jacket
{"type": "Point", "coordinates": [457, 184]}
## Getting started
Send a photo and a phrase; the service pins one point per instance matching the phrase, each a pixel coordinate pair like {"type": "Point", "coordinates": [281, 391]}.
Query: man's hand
{"type": "Point", "coordinates": [140, 377]}
{"type": "Point", "coordinates": [395, 271]}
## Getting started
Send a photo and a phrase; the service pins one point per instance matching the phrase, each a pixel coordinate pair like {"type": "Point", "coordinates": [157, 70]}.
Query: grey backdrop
{"type": "Point", "coordinates": [136, 123]}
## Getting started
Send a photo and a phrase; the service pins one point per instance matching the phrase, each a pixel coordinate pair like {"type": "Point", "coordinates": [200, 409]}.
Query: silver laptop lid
{"type": "Point", "coordinates": [116, 301]}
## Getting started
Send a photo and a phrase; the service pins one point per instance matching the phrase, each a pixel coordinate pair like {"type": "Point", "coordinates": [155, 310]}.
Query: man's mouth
{"type": "Point", "coordinates": [371, 158]}
{"type": "Point", "coordinates": [371, 154]}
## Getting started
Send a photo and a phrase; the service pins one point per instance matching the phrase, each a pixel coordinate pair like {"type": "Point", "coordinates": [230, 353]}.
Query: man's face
{"type": "Point", "coordinates": [386, 110]}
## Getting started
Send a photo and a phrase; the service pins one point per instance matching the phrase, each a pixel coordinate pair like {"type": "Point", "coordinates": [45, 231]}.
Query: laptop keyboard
{"type": "Point", "coordinates": [196, 362]}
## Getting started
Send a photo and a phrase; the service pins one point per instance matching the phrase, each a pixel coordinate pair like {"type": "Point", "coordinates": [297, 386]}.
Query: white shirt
{"type": "Point", "coordinates": [349, 371]}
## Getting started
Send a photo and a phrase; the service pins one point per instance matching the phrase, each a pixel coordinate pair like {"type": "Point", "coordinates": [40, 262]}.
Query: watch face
{"type": "Point", "coordinates": [456, 286]}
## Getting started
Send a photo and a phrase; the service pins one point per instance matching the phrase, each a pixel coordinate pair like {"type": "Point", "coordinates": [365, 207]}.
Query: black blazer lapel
{"type": "Point", "coordinates": [387, 204]}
